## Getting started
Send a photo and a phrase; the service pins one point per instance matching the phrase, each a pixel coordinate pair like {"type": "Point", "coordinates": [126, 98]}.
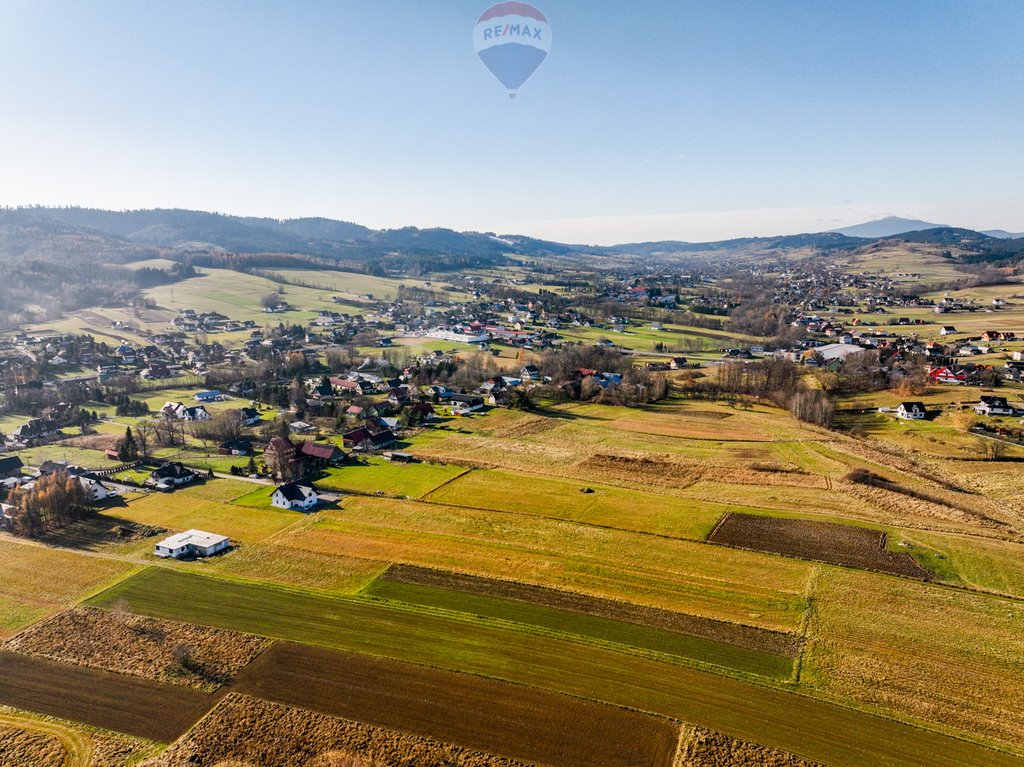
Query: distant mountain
{"type": "Point", "coordinates": [83, 234]}
{"type": "Point", "coordinates": [1002, 234]}
{"type": "Point", "coordinates": [886, 227]}
{"type": "Point", "coordinates": [821, 241]}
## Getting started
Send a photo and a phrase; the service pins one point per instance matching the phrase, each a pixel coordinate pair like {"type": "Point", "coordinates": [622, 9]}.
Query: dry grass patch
{"type": "Point", "coordinates": [36, 740]}
{"type": "Point", "coordinates": [114, 640]}
{"type": "Point", "coordinates": [38, 580]}
{"type": "Point", "coordinates": [247, 730]}
{"type": "Point", "coordinates": [919, 652]}
{"type": "Point", "coordinates": [287, 566]}
{"type": "Point", "coordinates": [705, 748]}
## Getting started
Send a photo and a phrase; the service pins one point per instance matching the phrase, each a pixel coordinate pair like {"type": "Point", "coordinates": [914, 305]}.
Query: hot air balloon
{"type": "Point", "coordinates": [512, 39]}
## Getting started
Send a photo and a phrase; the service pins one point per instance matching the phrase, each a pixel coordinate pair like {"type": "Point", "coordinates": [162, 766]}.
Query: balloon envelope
{"type": "Point", "coordinates": [512, 39]}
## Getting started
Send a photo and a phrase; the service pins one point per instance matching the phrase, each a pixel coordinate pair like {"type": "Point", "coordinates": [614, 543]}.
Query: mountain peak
{"type": "Point", "coordinates": [887, 227]}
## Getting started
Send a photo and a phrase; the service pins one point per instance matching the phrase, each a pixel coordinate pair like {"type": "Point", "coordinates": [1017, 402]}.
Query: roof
{"type": "Point", "coordinates": [172, 470]}
{"type": "Point", "coordinates": [10, 463]}
{"type": "Point", "coordinates": [293, 491]}
{"type": "Point", "coordinates": [192, 537]}
{"type": "Point", "coordinates": [319, 450]}
{"type": "Point", "coordinates": [912, 405]}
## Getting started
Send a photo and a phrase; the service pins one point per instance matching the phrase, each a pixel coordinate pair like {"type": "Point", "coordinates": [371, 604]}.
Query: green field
{"type": "Point", "coordinates": [834, 735]}
{"type": "Point", "coordinates": [389, 478]}
{"type": "Point", "coordinates": [590, 626]}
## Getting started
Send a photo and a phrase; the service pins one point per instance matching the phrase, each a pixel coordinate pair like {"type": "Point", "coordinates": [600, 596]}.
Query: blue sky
{"type": "Point", "coordinates": [648, 121]}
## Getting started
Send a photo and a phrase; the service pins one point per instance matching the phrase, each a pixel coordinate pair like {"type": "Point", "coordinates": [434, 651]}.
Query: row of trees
{"type": "Point", "coordinates": [55, 501]}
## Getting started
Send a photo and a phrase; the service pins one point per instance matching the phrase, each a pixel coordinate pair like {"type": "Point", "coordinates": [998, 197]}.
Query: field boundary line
{"type": "Point", "coordinates": [805, 624]}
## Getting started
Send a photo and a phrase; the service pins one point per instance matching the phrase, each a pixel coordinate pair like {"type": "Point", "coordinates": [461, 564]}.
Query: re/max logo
{"type": "Point", "coordinates": [512, 30]}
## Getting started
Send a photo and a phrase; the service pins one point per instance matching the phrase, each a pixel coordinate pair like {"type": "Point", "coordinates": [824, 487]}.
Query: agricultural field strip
{"type": "Point", "coordinates": [567, 601]}
{"type": "Point", "coordinates": [573, 626]}
{"type": "Point", "coordinates": [132, 705]}
{"type": "Point", "coordinates": [834, 544]}
{"type": "Point", "coordinates": [493, 716]}
{"type": "Point", "coordinates": [814, 729]}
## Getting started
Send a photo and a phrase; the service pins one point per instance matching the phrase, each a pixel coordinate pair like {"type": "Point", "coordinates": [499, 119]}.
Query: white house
{"type": "Point", "coordinates": [911, 411]}
{"type": "Point", "coordinates": [994, 406]}
{"type": "Point", "coordinates": [947, 330]}
{"type": "Point", "coordinates": [192, 543]}
{"type": "Point", "coordinates": [95, 489]}
{"type": "Point", "coordinates": [292, 495]}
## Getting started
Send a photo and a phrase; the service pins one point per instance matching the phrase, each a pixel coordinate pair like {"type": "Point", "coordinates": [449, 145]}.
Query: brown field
{"type": "Point", "coordinates": [99, 698]}
{"type": "Point", "coordinates": [820, 541]}
{"type": "Point", "coordinates": [719, 631]}
{"type": "Point", "coordinates": [704, 748]}
{"type": "Point", "coordinates": [494, 717]}
{"type": "Point", "coordinates": [131, 644]}
{"type": "Point", "coordinates": [247, 732]}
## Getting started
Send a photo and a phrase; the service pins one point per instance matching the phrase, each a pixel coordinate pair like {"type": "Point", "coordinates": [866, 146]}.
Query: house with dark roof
{"type": "Point", "coordinates": [10, 466]}
{"type": "Point", "coordinates": [293, 495]}
{"type": "Point", "coordinates": [322, 453]}
{"type": "Point", "coordinates": [239, 446]}
{"type": "Point", "coordinates": [911, 411]}
{"type": "Point", "coordinates": [363, 439]}
{"type": "Point", "coordinates": [170, 475]}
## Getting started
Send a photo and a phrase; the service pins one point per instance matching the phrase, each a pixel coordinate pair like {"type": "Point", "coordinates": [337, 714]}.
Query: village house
{"type": "Point", "coordinates": [191, 543]}
{"type": "Point", "coordinates": [295, 496]}
{"type": "Point", "coordinates": [363, 439]}
{"type": "Point", "coordinates": [95, 489]}
{"type": "Point", "coordinates": [321, 453]}
{"type": "Point", "coordinates": [239, 446]}
{"type": "Point", "coordinates": [947, 330]}
{"type": "Point", "coordinates": [10, 466]}
{"type": "Point", "coordinates": [249, 416]}
{"type": "Point", "coordinates": [911, 411]}
{"type": "Point", "coordinates": [991, 405]}
{"type": "Point", "coordinates": [171, 475]}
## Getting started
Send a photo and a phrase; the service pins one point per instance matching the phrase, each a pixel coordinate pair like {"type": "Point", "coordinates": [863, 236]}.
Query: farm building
{"type": "Point", "coordinates": [293, 495]}
{"type": "Point", "coordinates": [911, 411]}
{"type": "Point", "coordinates": [195, 543]}
{"type": "Point", "coordinates": [363, 439]}
{"type": "Point", "coordinates": [208, 396]}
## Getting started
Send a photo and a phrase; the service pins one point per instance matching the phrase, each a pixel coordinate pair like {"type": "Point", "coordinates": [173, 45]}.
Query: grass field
{"type": "Point", "coordinates": [738, 586]}
{"type": "Point", "coordinates": [389, 478]}
{"type": "Point", "coordinates": [38, 581]}
{"type": "Point", "coordinates": [604, 505]}
{"type": "Point", "coordinates": [836, 736]}
{"type": "Point", "coordinates": [592, 626]}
